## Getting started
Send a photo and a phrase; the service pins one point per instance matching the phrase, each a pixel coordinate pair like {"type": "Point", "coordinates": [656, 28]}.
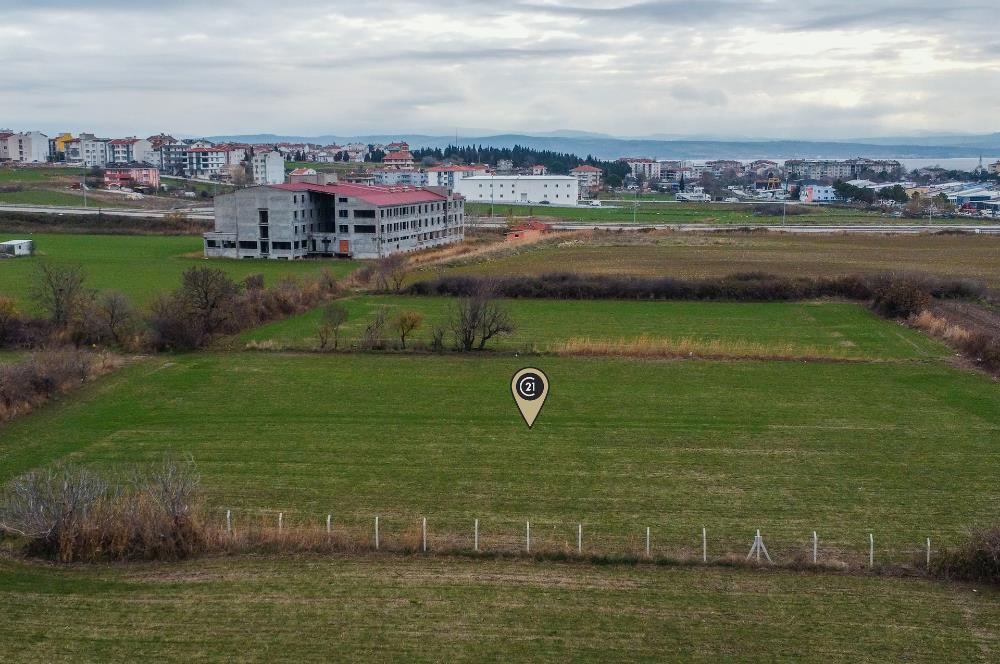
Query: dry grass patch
{"type": "Point", "coordinates": [697, 348]}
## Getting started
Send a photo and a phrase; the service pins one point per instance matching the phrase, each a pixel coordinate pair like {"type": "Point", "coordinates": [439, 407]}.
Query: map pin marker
{"type": "Point", "coordinates": [530, 387]}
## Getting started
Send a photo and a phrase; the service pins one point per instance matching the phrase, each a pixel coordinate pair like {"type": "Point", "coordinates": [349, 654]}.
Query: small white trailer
{"type": "Point", "coordinates": [17, 247]}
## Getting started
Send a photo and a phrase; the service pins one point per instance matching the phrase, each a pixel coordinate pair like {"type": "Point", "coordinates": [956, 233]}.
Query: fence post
{"type": "Point", "coordinates": [281, 518]}
{"type": "Point", "coordinates": [425, 534]}
{"type": "Point", "coordinates": [815, 546]}
{"type": "Point", "coordinates": [579, 539]}
{"type": "Point", "coordinates": [527, 536]}
{"type": "Point", "coordinates": [229, 522]}
{"type": "Point", "coordinates": [647, 541]}
{"type": "Point", "coordinates": [329, 523]}
{"type": "Point", "coordinates": [871, 550]}
{"type": "Point", "coordinates": [704, 545]}
{"type": "Point", "coordinates": [475, 545]}
{"type": "Point", "coordinates": [376, 533]}
{"type": "Point", "coordinates": [928, 553]}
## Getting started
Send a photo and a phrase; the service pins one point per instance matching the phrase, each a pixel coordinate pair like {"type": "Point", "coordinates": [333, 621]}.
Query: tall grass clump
{"type": "Point", "coordinates": [27, 384]}
{"type": "Point", "coordinates": [71, 513]}
{"type": "Point", "coordinates": [978, 559]}
{"type": "Point", "coordinates": [645, 346]}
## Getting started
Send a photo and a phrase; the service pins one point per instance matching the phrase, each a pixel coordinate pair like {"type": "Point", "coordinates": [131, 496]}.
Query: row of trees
{"type": "Point", "coordinates": [522, 157]}
{"type": "Point", "coordinates": [207, 302]}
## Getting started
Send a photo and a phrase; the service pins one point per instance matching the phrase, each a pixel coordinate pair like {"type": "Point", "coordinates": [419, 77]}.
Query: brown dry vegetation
{"type": "Point", "coordinates": [702, 255]}
{"type": "Point", "coordinates": [714, 349]}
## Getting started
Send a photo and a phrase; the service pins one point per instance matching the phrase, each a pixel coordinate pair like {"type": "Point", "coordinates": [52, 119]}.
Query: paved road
{"type": "Point", "coordinates": [207, 213]}
{"type": "Point", "coordinates": [193, 213]}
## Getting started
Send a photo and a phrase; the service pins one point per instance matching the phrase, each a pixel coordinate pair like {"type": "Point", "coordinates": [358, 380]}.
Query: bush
{"type": "Point", "coordinates": [976, 560]}
{"type": "Point", "coordinates": [25, 384]}
{"type": "Point", "coordinates": [73, 513]}
{"type": "Point", "coordinates": [900, 298]}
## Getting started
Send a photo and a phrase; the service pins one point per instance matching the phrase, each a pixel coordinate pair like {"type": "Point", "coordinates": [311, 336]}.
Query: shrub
{"type": "Point", "coordinates": [73, 513]}
{"type": "Point", "coordinates": [900, 298]}
{"type": "Point", "coordinates": [373, 337]}
{"type": "Point", "coordinates": [405, 323]}
{"type": "Point", "coordinates": [25, 384]}
{"type": "Point", "coordinates": [978, 559]}
{"type": "Point", "coordinates": [332, 317]}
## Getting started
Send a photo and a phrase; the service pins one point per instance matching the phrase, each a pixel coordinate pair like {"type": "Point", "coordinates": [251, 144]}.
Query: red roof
{"type": "Point", "coordinates": [215, 149]}
{"type": "Point", "coordinates": [455, 168]}
{"type": "Point", "coordinates": [532, 225]}
{"type": "Point", "coordinates": [123, 141]}
{"type": "Point", "coordinates": [586, 168]}
{"type": "Point", "coordinates": [398, 156]}
{"type": "Point", "coordinates": [376, 195]}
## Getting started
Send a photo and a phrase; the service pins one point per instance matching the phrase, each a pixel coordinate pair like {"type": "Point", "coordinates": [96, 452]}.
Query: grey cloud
{"type": "Point", "coordinates": [705, 96]}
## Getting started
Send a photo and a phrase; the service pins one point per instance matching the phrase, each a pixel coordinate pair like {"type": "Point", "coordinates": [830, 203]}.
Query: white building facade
{"type": "Point", "coordinates": [27, 147]}
{"type": "Point", "coordinates": [551, 189]}
{"type": "Point", "coordinates": [268, 168]}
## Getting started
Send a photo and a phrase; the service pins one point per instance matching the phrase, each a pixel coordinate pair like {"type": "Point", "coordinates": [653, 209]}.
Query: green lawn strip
{"type": "Point", "coordinates": [828, 329]}
{"type": "Point", "coordinates": [904, 451]}
{"type": "Point", "coordinates": [324, 609]}
{"type": "Point", "coordinates": [35, 175]}
{"type": "Point", "coordinates": [140, 266]}
{"type": "Point", "coordinates": [61, 198]}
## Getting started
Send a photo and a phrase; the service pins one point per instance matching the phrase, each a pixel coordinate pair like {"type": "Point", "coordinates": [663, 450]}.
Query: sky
{"type": "Point", "coordinates": [720, 68]}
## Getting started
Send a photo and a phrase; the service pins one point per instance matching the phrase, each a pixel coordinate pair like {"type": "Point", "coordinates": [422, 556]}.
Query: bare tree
{"type": "Point", "coordinates": [9, 318]}
{"type": "Point", "coordinates": [478, 318]}
{"type": "Point", "coordinates": [331, 318]}
{"type": "Point", "coordinates": [58, 290]}
{"type": "Point", "coordinates": [115, 316]}
{"type": "Point", "coordinates": [374, 335]}
{"type": "Point", "coordinates": [48, 506]}
{"type": "Point", "coordinates": [392, 271]}
{"type": "Point", "coordinates": [405, 323]}
{"type": "Point", "coordinates": [211, 294]}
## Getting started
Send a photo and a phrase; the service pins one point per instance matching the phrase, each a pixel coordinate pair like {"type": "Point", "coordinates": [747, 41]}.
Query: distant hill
{"type": "Point", "coordinates": [601, 147]}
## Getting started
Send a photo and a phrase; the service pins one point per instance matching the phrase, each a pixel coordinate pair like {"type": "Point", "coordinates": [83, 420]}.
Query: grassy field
{"type": "Point", "coordinates": [140, 266]}
{"type": "Point", "coordinates": [414, 609]}
{"type": "Point", "coordinates": [903, 450]}
{"type": "Point", "coordinates": [40, 174]}
{"type": "Point", "coordinates": [839, 330]}
{"type": "Point", "coordinates": [61, 198]}
{"type": "Point", "coordinates": [674, 213]}
{"type": "Point", "coordinates": [713, 255]}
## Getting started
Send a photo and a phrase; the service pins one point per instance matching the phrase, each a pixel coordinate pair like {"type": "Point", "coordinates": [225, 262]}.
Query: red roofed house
{"type": "Point", "coordinates": [131, 176]}
{"type": "Point", "coordinates": [529, 230]}
{"type": "Point", "coordinates": [398, 159]}
{"type": "Point", "coordinates": [589, 177]}
{"type": "Point", "coordinates": [300, 219]}
{"type": "Point", "coordinates": [129, 151]}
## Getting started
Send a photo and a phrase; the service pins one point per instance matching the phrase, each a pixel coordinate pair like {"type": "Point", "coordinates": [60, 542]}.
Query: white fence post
{"type": "Point", "coordinates": [579, 538]}
{"type": "Point", "coordinates": [475, 545]}
{"type": "Point", "coordinates": [704, 545]}
{"type": "Point", "coordinates": [376, 533]}
{"type": "Point", "coordinates": [425, 534]}
{"type": "Point", "coordinates": [815, 546]}
{"type": "Point", "coordinates": [329, 523]}
{"type": "Point", "coordinates": [871, 550]}
{"type": "Point", "coordinates": [928, 553]}
{"type": "Point", "coordinates": [647, 541]}
{"type": "Point", "coordinates": [229, 522]}
{"type": "Point", "coordinates": [281, 518]}
{"type": "Point", "coordinates": [527, 536]}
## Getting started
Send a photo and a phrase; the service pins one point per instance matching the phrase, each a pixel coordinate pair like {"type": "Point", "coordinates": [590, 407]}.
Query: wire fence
{"type": "Point", "coordinates": [394, 533]}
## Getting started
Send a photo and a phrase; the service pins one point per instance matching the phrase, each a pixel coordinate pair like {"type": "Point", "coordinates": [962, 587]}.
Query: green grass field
{"type": "Point", "coordinates": [673, 213]}
{"type": "Point", "coordinates": [40, 174]}
{"type": "Point", "coordinates": [140, 266]}
{"type": "Point", "coordinates": [839, 330]}
{"type": "Point", "coordinates": [903, 450]}
{"type": "Point", "coordinates": [61, 198]}
{"type": "Point", "coordinates": [718, 254]}
{"type": "Point", "coordinates": [321, 609]}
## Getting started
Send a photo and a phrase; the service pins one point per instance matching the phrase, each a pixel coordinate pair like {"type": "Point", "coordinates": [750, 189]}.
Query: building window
{"type": "Point", "coordinates": [344, 229]}
{"type": "Point", "coordinates": [262, 216]}
{"type": "Point", "coordinates": [364, 228]}
{"type": "Point", "coordinates": [342, 213]}
{"type": "Point", "coordinates": [244, 244]}
{"type": "Point", "coordinates": [364, 214]}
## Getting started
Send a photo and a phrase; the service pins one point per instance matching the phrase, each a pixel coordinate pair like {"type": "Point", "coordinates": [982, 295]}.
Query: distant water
{"type": "Point", "coordinates": [956, 164]}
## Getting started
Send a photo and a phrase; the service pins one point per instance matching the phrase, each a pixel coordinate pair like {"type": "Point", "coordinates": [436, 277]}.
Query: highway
{"type": "Point", "coordinates": [207, 214]}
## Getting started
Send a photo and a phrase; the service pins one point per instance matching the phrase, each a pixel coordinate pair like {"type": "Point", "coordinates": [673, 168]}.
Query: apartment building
{"type": "Point", "coordinates": [29, 147]}
{"type": "Point", "coordinates": [393, 177]}
{"type": "Point", "coordinates": [88, 150]}
{"type": "Point", "coordinates": [446, 176]}
{"type": "Point", "coordinates": [588, 176]}
{"type": "Point", "coordinates": [297, 220]}
{"type": "Point", "coordinates": [647, 169]}
{"type": "Point", "coordinates": [130, 150]}
{"type": "Point", "coordinates": [268, 168]}
{"type": "Point", "coordinates": [206, 162]}
{"type": "Point", "coordinates": [4, 148]}
{"type": "Point", "coordinates": [839, 170]}
{"type": "Point", "coordinates": [554, 189]}
{"type": "Point", "coordinates": [131, 176]}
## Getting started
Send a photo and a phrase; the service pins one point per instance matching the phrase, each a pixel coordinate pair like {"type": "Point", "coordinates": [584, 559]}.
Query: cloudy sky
{"type": "Point", "coordinates": [756, 68]}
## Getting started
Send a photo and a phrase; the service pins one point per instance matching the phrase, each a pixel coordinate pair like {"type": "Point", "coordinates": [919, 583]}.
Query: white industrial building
{"type": "Point", "coordinates": [551, 189]}
{"type": "Point", "coordinates": [17, 248]}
